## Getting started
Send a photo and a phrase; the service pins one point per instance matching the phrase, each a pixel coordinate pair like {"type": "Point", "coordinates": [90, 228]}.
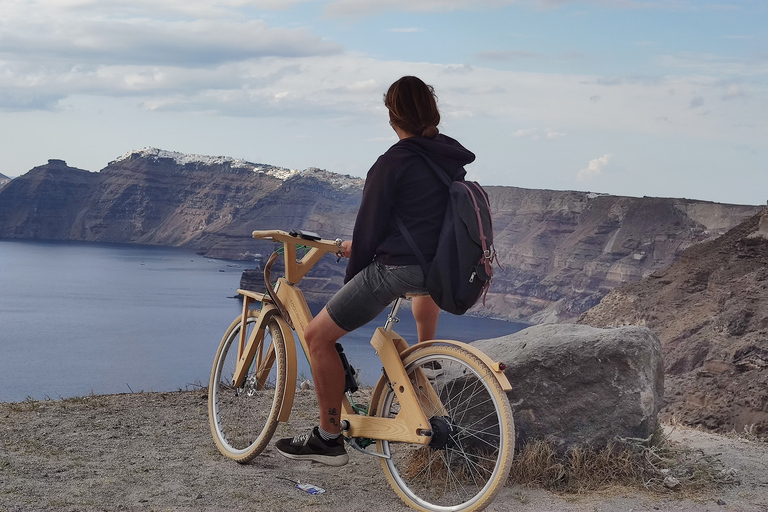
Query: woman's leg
{"type": "Point", "coordinates": [321, 336]}
{"type": "Point", "coordinates": [425, 312]}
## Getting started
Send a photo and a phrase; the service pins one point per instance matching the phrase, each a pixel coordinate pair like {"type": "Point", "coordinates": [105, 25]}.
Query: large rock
{"type": "Point", "coordinates": [580, 385]}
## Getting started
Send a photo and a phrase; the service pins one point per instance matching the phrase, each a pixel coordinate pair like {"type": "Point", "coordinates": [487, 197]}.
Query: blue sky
{"type": "Point", "coordinates": [629, 97]}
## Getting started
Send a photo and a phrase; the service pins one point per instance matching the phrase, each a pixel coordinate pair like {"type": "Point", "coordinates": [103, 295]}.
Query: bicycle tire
{"type": "Point", "coordinates": [473, 423]}
{"type": "Point", "coordinates": [244, 419]}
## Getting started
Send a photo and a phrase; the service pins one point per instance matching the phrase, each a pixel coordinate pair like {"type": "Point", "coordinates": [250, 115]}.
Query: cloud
{"type": "Point", "coordinates": [212, 57]}
{"type": "Point", "coordinates": [713, 64]}
{"type": "Point", "coordinates": [594, 169]}
{"type": "Point", "coordinates": [357, 8]}
{"type": "Point", "coordinates": [350, 85]}
{"type": "Point", "coordinates": [552, 135]}
{"type": "Point", "coordinates": [19, 100]}
{"type": "Point", "coordinates": [457, 69]}
{"type": "Point", "coordinates": [528, 132]}
{"type": "Point", "coordinates": [170, 9]}
{"type": "Point", "coordinates": [51, 49]}
{"type": "Point", "coordinates": [506, 56]}
{"type": "Point", "coordinates": [696, 102]}
{"type": "Point", "coordinates": [406, 30]}
{"type": "Point", "coordinates": [538, 133]}
{"type": "Point", "coordinates": [734, 91]}
{"type": "Point", "coordinates": [363, 86]}
{"type": "Point", "coordinates": [156, 42]}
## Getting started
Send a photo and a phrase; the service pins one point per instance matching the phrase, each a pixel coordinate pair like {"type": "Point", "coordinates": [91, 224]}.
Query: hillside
{"type": "Point", "coordinates": [563, 251]}
{"type": "Point", "coordinates": [710, 310]}
{"type": "Point", "coordinates": [560, 251]}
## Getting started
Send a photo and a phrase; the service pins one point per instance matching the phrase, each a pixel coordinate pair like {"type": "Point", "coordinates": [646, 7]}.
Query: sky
{"type": "Point", "coordinates": [665, 98]}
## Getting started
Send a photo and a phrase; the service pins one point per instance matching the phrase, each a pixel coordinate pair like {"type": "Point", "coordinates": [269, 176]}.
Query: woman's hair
{"type": "Point", "coordinates": [412, 107]}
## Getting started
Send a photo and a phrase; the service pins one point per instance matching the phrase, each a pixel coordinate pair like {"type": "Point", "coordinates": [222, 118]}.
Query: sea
{"type": "Point", "coordinates": [78, 319]}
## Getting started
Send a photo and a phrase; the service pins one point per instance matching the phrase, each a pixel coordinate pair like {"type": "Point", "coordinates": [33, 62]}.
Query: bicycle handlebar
{"type": "Point", "coordinates": [286, 238]}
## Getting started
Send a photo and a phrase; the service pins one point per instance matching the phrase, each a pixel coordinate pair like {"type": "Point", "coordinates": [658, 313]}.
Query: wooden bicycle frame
{"type": "Point", "coordinates": [410, 424]}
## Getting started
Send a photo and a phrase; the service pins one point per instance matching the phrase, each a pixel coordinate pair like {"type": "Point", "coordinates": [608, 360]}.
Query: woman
{"type": "Point", "coordinates": [382, 266]}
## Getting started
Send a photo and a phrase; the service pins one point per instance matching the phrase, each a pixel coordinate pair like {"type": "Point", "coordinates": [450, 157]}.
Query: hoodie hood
{"type": "Point", "coordinates": [446, 152]}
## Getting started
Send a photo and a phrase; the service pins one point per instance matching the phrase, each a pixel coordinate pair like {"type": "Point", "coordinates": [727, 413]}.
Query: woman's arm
{"type": "Point", "coordinates": [373, 216]}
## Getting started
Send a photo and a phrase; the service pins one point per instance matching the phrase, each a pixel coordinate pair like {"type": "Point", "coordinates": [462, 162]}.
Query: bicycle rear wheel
{"type": "Point", "coordinates": [244, 419]}
{"type": "Point", "coordinates": [473, 440]}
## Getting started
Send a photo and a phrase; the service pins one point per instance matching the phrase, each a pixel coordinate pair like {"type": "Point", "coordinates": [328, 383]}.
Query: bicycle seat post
{"type": "Point", "coordinates": [392, 318]}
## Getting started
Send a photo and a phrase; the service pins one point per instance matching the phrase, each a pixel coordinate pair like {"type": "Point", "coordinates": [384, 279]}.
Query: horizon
{"type": "Point", "coordinates": [659, 98]}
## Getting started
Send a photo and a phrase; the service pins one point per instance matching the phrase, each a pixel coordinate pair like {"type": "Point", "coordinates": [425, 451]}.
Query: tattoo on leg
{"type": "Point", "coordinates": [333, 412]}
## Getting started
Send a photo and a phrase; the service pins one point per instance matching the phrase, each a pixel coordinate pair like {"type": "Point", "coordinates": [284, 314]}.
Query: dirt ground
{"type": "Point", "coordinates": [154, 452]}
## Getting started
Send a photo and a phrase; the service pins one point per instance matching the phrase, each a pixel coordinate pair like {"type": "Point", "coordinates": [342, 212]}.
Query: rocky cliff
{"type": "Point", "coordinates": [3, 180]}
{"type": "Point", "coordinates": [710, 310]}
{"type": "Point", "coordinates": [561, 252]}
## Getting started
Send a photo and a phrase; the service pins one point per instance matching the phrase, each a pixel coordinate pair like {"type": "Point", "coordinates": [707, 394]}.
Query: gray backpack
{"type": "Point", "coordinates": [461, 270]}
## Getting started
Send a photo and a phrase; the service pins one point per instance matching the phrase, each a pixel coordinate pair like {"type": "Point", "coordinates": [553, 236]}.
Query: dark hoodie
{"type": "Point", "coordinates": [401, 181]}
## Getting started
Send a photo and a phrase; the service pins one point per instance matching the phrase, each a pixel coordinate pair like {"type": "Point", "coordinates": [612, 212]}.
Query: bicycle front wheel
{"type": "Point", "coordinates": [470, 455]}
{"type": "Point", "coordinates": [243, 419]}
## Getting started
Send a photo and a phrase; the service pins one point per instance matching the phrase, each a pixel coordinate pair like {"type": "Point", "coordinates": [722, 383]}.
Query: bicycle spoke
{"type": "Point", "coordinates": [244, 419]}
{"type": "Point", "coordinates": [464, 470]}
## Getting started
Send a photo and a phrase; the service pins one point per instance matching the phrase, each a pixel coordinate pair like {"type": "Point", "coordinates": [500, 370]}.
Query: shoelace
{"type": "Point", "coordinates": [302, 438]}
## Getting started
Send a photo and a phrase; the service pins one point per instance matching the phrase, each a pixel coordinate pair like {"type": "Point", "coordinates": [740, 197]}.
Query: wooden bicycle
{"type": "Point", "coordinates": [438, 420]}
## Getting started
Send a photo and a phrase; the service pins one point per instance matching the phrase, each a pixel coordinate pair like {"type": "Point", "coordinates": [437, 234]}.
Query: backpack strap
{"type": "Point", "coordinates": [489, 254]}
{"type": "Point", "coordinates": [439, 171]}
{"type": "Point", "coordinates": [412, 244]}
{"type": "Point", "coordinates": [443, 176]}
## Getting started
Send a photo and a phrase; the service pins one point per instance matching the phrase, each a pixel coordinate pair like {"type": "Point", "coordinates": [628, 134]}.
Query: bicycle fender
{"type": "Point", "coordinates": [290, 351]}
{"type": "Point", "coordinates": [496, 367]}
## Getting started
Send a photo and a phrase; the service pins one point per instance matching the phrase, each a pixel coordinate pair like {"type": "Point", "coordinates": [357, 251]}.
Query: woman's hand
{"type": "Point", "coordinates": [345, 248]}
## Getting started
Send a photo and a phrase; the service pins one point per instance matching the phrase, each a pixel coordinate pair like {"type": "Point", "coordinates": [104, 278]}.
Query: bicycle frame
{"type": "Point", "coordinates": [410, 424]}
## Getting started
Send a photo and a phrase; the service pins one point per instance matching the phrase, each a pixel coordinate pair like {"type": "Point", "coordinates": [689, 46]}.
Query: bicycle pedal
{"type": "Point", "coordinates": [361, 443]}
{"type": "Point", "coordinates": [364, 442]}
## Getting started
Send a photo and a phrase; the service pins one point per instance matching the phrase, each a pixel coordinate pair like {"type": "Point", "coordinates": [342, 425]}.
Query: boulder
{"type": "Point", "coordinates": [580, 385]}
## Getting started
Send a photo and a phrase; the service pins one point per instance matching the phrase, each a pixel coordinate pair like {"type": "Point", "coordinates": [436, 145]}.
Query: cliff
{"type": "Point", "coordinates": [561, 252]}
{"type": "Point", "coordinates": [710, 310]}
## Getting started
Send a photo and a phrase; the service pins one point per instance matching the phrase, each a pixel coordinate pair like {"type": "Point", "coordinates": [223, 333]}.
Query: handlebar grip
{"type": "Point", "coordinates": [267, 234]}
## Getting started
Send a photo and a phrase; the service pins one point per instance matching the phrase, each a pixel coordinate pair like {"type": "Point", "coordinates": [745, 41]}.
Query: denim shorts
{"type": "Point", "coordinates": [371, 291]}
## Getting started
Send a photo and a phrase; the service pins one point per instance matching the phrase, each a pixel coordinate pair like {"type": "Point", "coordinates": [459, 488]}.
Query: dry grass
{"type": "Point", "coordinates": [423, 465]}
{"type": "Point", "coordinates": [426, 464]}
{"type": "Point", "coordinates": [749, 433]}
{"type": "Point", "coordinates": [657, 465]}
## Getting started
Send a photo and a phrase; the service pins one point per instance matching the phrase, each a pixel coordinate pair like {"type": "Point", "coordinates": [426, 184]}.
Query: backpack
{"type": "Point", "coordinates": [461, 270]}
